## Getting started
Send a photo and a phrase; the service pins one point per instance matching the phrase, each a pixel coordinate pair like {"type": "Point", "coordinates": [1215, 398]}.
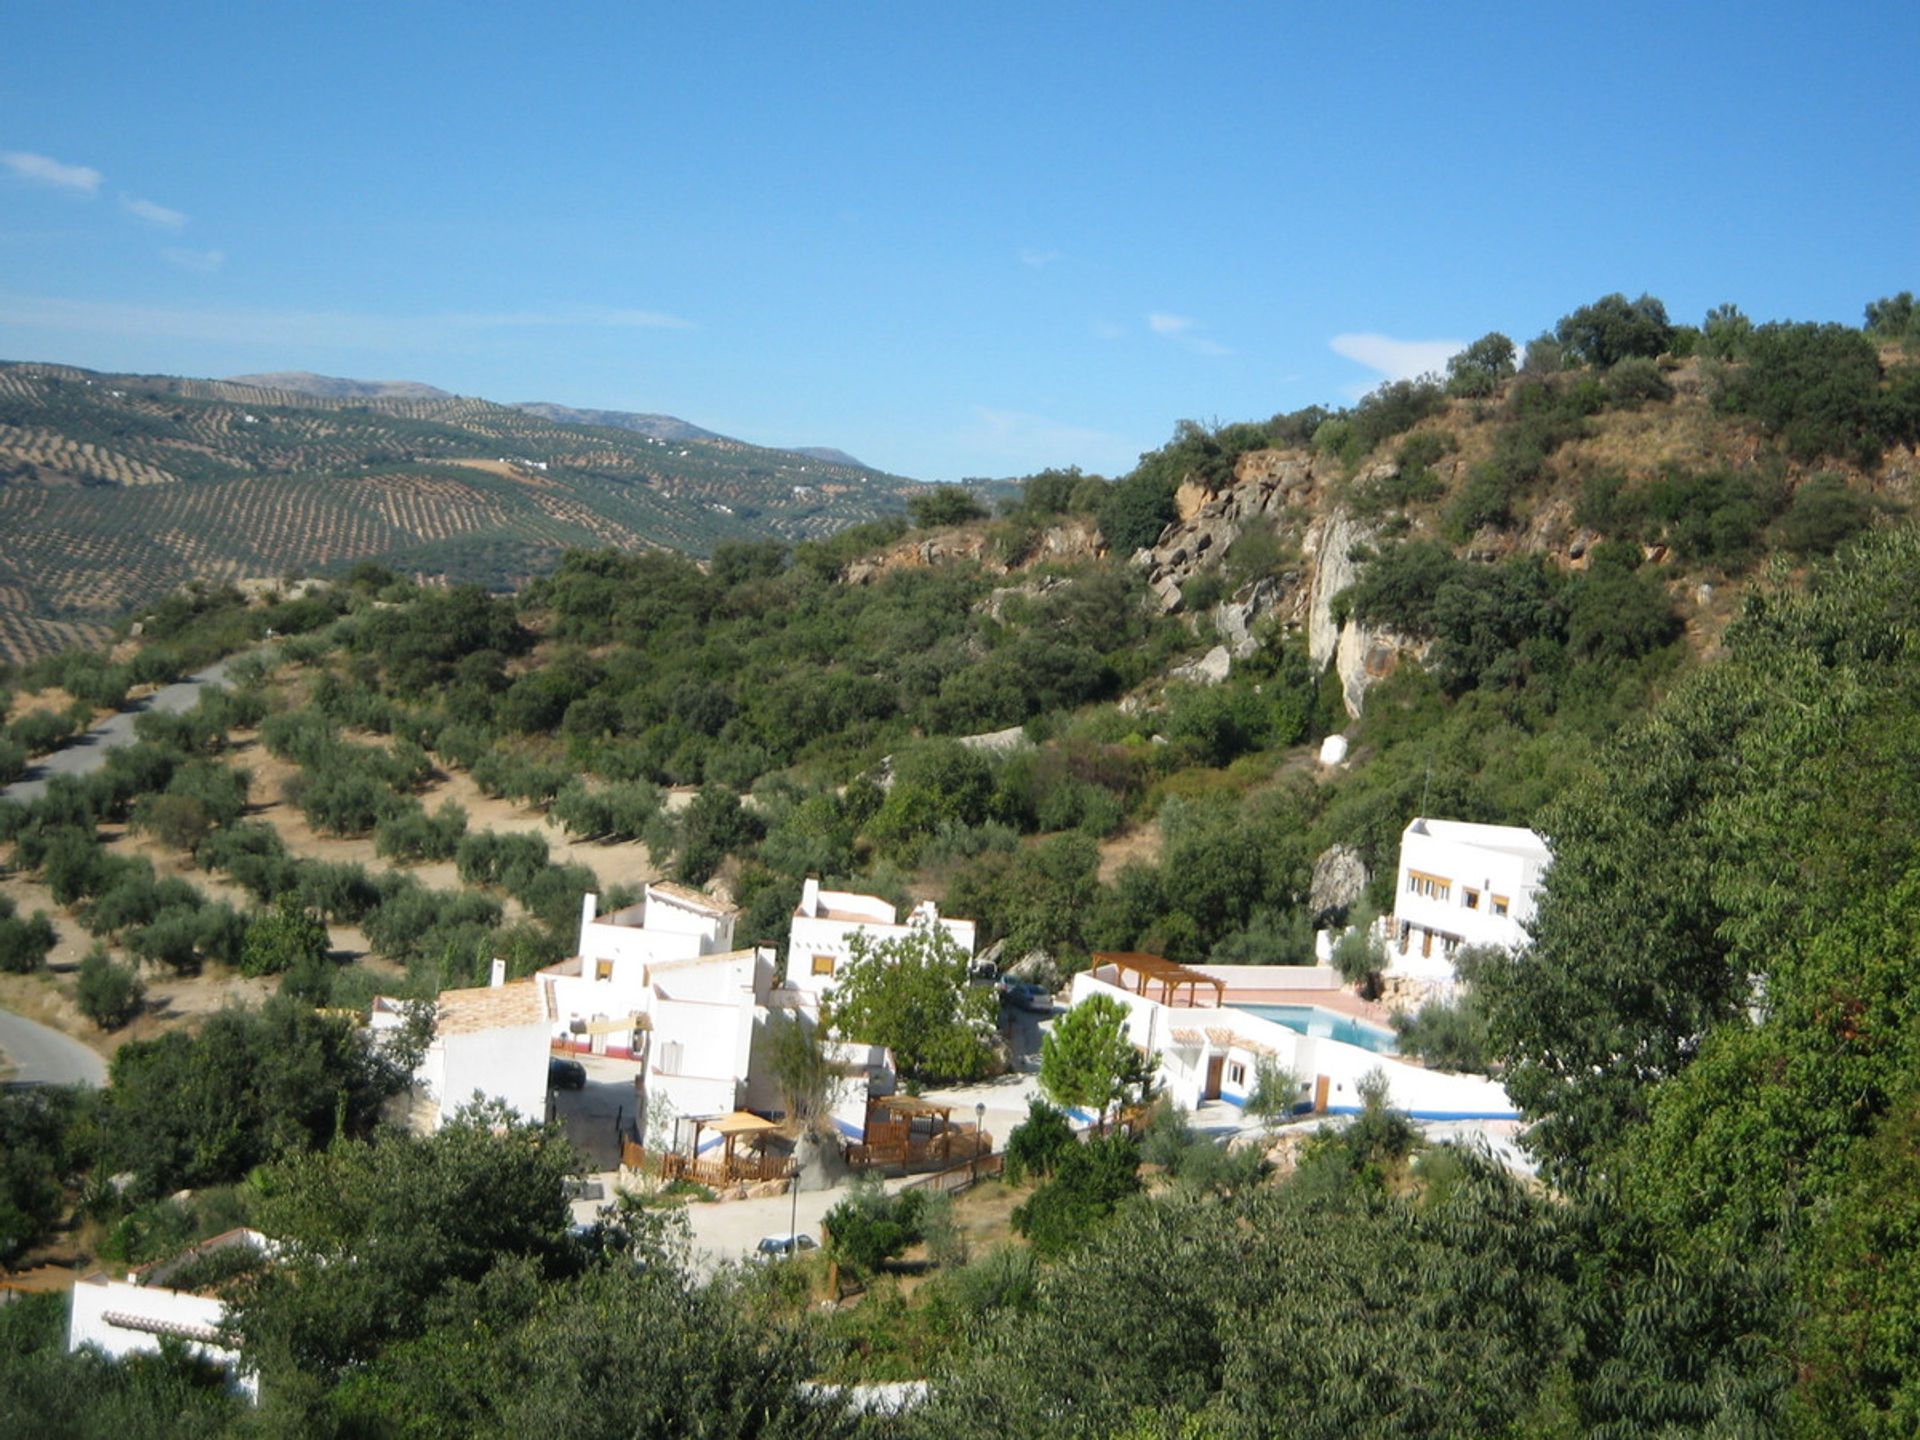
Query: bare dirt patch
{"type": "Point", "coordinates": [1135, 843]}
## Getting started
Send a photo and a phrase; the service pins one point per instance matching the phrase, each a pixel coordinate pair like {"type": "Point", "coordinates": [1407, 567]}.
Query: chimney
{"type": "Point", "coordinates": [810, 896]}
{"type": "Point", "coordinates": [589, 909]}
{"type": "Point", "coordinates": [499, 976]}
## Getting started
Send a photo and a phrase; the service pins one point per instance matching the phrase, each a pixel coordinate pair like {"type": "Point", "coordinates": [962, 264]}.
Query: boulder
{"type": "Point", "coordinates": [1339, 880]}
{"type": "Point", "coordinates": [1235, 618]}
{"type": "Point", "coordinates": [1210, 669]}
{"type": "Point", "coordinates": [1036, 967]}
{"type": "Point", "coordinates": [822, 1163]}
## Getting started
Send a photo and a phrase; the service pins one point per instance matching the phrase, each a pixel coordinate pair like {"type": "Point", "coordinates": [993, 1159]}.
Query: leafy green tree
{"type": "Point", "coordinates": [1135, 510]}
{"type": "Point", "coordinates": [1037, 1142]}
{"type": "Point", "coordinates": [912, 995]}
{"type": "Point", "coordinates": [1088, 1183]}
{"type": "Point", "coordinates": [1274, 1094]}
{"type": "Point", "coordinates": [375, 1234]}
{"type": "Point", "coordinates": [1613, 329]}
{"type": "Point", "coordinates": [1360, 955]}
{"type": "Point", "coordinates": [110, 995]}
{"type": "Point", "coordinates": [797, 1059]}
{"type": "Point", "coordinates": [1087, 1059]}
{"type": "Point", "coordinates": [1482, 366]}
{"type": "Point", "coordinates": [1725, 332]}
{"type": "Point", "coordinates": [23, 943]}
{"type": "Point", "coordinates": [288, 937]}
{"type": "Point", "coordinates": [946, 505]}
{"type": "Point", "coordinates": [1815, 387]}
{"type": "Point", "coordinates": [871, 1227]}
{"type": "Point", "coordinates": [205, 1108]}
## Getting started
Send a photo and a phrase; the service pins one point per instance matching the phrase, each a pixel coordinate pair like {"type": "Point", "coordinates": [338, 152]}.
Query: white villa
{"type": "Point", "coordinates": [1212, 1025]}
{"type": "Point", "coordinates": [603, 999]}
{"type": "Point", "coordinates": [1461, 884]}
{"type": "Point", "coordinates": [490, 1038]}
{"type": "Point", "coordinates": [132, 1316]}
{"type": "Point", "coordinates": [825, 922]}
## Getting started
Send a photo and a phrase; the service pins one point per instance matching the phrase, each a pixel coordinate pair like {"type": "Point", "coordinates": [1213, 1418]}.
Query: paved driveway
{"type": "Point", "coordinates": [40, 1056]}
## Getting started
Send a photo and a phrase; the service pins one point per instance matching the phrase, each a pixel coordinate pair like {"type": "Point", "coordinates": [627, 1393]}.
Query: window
{"type": "Point", "coordinates": [1431, 886]}
{"type": "Point", "coordinates": [1500, 905]}
{"type": "Point", "coordinates": [603, 969]}
{"type": "Point", "coordinates": [1470, 899]}
{"type": "Point", "coordinates": [823, 964]}
{"type": "Point", "coordinates": [1236, 1073]}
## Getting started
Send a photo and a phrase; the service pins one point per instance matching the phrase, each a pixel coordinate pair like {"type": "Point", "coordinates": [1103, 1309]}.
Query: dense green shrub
{"type": "Point", "coordinates": [409, 834]}
{"type": "Point", "coordinates": [108, 994]}
{"type": "Point", "coordinates": [1613, 329]}
{"type": "Point", "coordinates": [1823, 515]}
{"type": "Point", "coordinates": [1089, 1181]}
{"type": "Point", "coordinates": [1817, 388]}
{"type": "Point", "coordinates": [1037, 1144]}
{"type": "Point", "coordinates": [24, 943]}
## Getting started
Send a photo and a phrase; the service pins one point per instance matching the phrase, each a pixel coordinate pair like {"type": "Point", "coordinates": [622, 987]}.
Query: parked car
{"type": "Point", "coordinates": [783, 1245]}
{"type": "Point", "coordinates": [1023, 995]}
{"type": "Point", "coordinates": [564, 1074]}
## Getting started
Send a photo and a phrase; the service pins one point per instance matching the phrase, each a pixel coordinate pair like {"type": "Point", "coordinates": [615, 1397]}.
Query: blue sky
{"type": "Point", "coordinates": [954, 240]}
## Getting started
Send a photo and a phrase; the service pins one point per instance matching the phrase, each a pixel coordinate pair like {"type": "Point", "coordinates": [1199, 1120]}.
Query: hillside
{"type": "Point", "coordinates": [115, 489]}
{"type": "Point", "coordinates": [1091, 724]}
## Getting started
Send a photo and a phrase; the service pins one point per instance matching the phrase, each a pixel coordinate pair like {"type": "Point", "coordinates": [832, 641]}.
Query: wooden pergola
{"type": "Point", "coordinates": [732, 1127]}
{"type": "Point", "coordinates": [1146, 970]}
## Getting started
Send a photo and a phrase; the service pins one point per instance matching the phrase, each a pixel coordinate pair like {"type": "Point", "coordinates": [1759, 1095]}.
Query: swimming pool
{"type": "Point", "coordinates": [1327, 1025]}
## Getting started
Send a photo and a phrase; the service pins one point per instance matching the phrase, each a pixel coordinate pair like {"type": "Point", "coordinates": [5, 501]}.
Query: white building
{"type": "Point", "coordinates": [826, 921]}
{"type": "Point", "coordinates": [602, 998]}
{"type": "Point", "coordinates": [132, 1316]}
{"type": "Point", "coordinates": [1461, 884]}
{"type": "Point", "coordinates": [1213, 1025]}
{"type": "Point", "coordinates": [492, 1039]}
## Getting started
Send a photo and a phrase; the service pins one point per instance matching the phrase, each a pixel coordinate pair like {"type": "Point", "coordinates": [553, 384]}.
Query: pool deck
{"type": "Point", "coordinates": [1341, 1001]}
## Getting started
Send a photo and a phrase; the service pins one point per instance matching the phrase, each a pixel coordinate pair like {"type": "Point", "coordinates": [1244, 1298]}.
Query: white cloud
{"type": "Point", "coordinates": [42, 170]}
{"type": "Point", "coordinates": [154, 214]}
{"type": "Point", "coordinates": [1180, 329]}
{"type": "Point", "coordinates": [1397, 359]}
{"type": "Point", "coordinates": [201, 262]}
{"type": "Point", "coordinates": [1107, 330]}
{"type": "Point", "coordinates": [1038, 259]}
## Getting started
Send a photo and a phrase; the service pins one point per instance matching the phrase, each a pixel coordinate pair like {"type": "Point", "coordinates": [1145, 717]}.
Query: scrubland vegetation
{"type": "Point", "coordinates": [1714, 1035]}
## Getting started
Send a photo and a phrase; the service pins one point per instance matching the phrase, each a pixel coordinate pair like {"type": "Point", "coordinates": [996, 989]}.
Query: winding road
{"type": "Point", "coordinates": [89, 752]}
{"type": "Point", "coordinates": [40, 1056]}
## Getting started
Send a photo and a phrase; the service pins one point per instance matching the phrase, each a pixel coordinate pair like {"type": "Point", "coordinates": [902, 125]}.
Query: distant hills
{"type": "Point", "coordinates": [333, 387]}
{"type": "Point", "coordinates": [117, 488]}
{"type": "Point", "coordinates": [660, 427]}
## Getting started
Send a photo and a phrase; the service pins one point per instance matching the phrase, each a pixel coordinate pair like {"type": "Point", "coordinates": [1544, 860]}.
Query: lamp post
{"type": "Point", "coordinates": [979, 1129]}
{"type": "Point", "coordinates": [793, 1215]}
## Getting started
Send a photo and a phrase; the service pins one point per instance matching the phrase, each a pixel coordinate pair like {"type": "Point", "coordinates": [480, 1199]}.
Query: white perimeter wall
{"type": "Point", "coordinates": [1427, 1094]}
{"type": "Point", "coordinates": [95, 1296]}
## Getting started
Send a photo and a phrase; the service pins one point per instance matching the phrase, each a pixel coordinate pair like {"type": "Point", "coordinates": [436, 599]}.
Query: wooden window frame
{"type": "Point", "coordinates": [823, 964]}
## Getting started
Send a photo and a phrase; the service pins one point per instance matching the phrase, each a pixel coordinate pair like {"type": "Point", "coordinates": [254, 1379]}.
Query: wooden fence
{"type": "Point", "coordinates": [718, 1173]}
{"type": "Point", "coordinates": [951, 1182]}
{"type": "Point", "coordinates": [908, 1155]}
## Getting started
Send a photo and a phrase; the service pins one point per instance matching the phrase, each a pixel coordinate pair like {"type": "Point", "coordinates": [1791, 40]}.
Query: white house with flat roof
{"type": "Point", "coordinates": [826, 921]}
{"type": "Point", "coordinates": [492, 1039]}
{"type": "Point", "coordinates": [1461, 884]}
{"type": "Point", "coordinates": [132, 1316]}
{"type": "Point", "coordinates": [1212, 1026]}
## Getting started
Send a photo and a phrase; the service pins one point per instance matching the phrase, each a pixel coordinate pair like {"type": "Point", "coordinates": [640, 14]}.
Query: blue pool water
{"type": "Point", "coordinates": [1327, 1025]}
